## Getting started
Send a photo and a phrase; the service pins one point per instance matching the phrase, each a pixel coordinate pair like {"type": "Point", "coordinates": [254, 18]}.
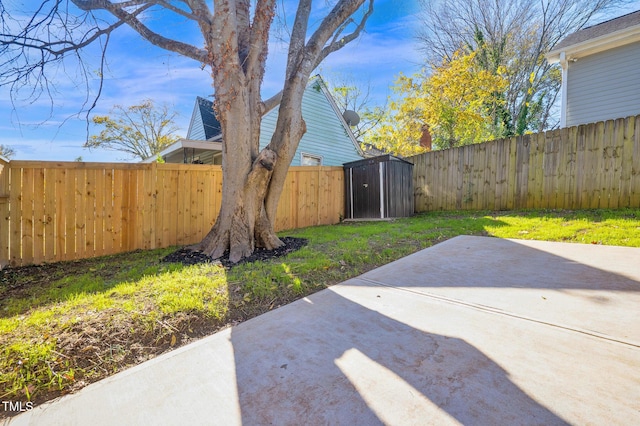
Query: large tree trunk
{"type": "Point", "coordinates": [241, 224]}
{"type": "Point", "coordinates": [253, 180]}
{"type": "Point", "coordinates": [235, 40]}
{"type": "Point", "coordinates": [246, 175]}
{"type": "Point", "coordinates": [252, 187]}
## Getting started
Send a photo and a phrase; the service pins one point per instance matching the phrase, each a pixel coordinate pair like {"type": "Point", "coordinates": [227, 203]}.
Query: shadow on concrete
{"type": "Point", "coordinates": [485, 262]}
{"type": "Point", "coordinates": [328, 360]}
{"type": "Point", "coordinates": [372, 351]}
{"type": "Point", "coordinates": [577, 286]}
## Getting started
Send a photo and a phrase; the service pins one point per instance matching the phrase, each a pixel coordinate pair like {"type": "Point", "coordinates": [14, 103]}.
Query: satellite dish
{"type": "Point", "coordinates": [351, 117]}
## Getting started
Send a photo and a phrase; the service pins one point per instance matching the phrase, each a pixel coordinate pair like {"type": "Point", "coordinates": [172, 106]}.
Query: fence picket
{"type": "Point", "coordinates": [588, 166]}
{"type": "Point", "coordinates": [26, 231]}
{"type": "Point", "coordinates": [53, 211]}
{"type": "Point", "coordinates": [635, 165]}
{"type": "Point", "coordinates": [117, 221]}
{"type": "Point", "coordinates": [617, 153]}
{"type": "Point", "coordinates": [626, 165]}
{"type": "Point", "coordinates": [63, 211]}
{"type": "Point", "coordinates": [4, 213]}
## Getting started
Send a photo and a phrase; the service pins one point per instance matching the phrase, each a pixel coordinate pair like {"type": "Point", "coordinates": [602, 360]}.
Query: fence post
{"type": "Point", "coordinates": [4, 213]}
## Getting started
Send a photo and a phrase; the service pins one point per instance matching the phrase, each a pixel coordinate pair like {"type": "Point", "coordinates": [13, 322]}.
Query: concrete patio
{"type": "Point", "coordinates": [474, 330]}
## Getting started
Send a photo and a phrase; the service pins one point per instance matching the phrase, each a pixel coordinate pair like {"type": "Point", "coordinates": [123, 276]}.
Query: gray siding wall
{"type": "Point", "coordinates": [325, 137]}
{"type": "Point", "coordinates": [604, 86]}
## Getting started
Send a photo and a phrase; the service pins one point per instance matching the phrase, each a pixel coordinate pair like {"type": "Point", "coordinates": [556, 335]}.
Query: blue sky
{"type": "Point", "coordinates": [138, 70]}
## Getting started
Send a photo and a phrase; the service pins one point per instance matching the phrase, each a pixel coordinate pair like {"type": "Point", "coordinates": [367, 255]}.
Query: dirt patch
{"type": "Point", "coordinates": [21, 282]}
{"type": "Point", "coordinates": [107, 342]}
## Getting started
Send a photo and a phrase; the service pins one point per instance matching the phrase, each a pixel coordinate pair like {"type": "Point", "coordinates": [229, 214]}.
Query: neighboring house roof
{"type": "Point", "coordinates": [599, 71]}
{"type": "Point", "coordinates": [204, 129]}
{"type": "Point", "coordinates": [597, 38]}
{"type": "Point", "coordinates": [177, 149]}
{"type": "Point", "coordinates": [204, 116]}
{"type": "Point", "coordinates": [317, 81]}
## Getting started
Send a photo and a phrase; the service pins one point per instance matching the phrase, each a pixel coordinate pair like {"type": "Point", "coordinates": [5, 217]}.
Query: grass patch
{"type": "Point", "coordinates": [67, 324]}
{"type": "Point", "coordinates": [608, 227]}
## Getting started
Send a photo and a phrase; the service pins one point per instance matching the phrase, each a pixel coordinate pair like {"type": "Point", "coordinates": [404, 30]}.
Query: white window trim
{"type": "Point", "coordinates": [314, 156]}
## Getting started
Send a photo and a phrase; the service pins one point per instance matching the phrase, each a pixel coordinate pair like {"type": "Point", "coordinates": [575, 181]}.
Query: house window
{"type": "Point", "coordinates": [310, 160]}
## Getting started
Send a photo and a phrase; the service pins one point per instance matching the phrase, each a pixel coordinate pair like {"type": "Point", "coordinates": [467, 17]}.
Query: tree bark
{"type": "Point", "coordinates": [253, 181]}
{"type": "Point", "coordinates": [250, 196]}
{"type": "Point", "coordinates": [242, 223]}
{"type": "Point", "coordinates": [235, 39]}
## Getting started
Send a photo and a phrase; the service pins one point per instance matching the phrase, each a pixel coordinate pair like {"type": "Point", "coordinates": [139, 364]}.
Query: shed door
{"type": "Point", "coordinates": [366, 191]}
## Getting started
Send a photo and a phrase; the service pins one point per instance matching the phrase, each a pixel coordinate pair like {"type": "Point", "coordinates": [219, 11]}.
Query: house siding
{"type": "Point", "coordinates": [196, 127]}
{"type": "Point", "coordinates": [325, 136]}
{"type": "Point", "coordinates": [604, 86]}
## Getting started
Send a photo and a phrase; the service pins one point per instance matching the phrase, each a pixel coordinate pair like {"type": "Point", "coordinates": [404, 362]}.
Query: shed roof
{"type": "Point", "coordinates": [374, 160]}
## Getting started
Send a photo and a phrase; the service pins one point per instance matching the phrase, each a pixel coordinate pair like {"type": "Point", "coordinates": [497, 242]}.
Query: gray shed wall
{"type": "Point", "coordinates": [380, 187]}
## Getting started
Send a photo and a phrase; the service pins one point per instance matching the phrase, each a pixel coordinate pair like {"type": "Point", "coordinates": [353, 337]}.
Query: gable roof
{"type": "Point", "coordinates": [597, 38]}
{"type": "Point", "coordinates": [601, 29]}
{"type": "Point", "coordinates": [205, 128]}
{"type": "Point", "coordinates": [318, 81]}
{"type": "Point", "coordinates": [211, 125]}
{"type": "Point", "coordinates": [213, 129]}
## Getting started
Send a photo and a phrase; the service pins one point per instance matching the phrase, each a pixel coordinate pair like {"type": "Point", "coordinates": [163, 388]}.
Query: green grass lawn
{"type": "Point", "coordinates": [65, 325]}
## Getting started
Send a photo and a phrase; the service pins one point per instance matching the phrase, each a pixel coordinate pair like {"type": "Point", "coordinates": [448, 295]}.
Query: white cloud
{"type": "Point", "coordinates": [136, 71]}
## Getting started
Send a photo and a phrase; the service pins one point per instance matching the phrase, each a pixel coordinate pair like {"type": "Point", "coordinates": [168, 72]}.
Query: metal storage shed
{"type": "Point", "coordinates": [379, 187]}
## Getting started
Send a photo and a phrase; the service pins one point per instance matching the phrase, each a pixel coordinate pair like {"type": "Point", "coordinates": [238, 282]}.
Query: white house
{"type": "Point", "coordinates": [600, 71]}
{"type": "Point", "coordinates": [327, 142]}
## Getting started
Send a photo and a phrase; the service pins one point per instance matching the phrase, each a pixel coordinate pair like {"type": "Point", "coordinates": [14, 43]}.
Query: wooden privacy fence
{"type": "Point", "coordinates": [588, 166]}
{"type": "Point", "coordinates": [53, 211]}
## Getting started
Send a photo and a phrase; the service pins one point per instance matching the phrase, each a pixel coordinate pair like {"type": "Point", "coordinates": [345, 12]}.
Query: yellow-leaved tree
{"type": "Point", "coordinates": [6, 151]}
{"type": "Point", "coordinates": [457, 103]}
{"type": "Point", "coordinates": [141, 131]}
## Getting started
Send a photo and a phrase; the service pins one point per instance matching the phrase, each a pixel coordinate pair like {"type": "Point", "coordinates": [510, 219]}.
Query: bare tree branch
{"type": "Point", "coordinates": [193, 16]}
{"type": "Point", "coordinates": [332, 25]}
{"type": "Point", "coordinates": [298, 35]}
{"type": "Point", "coordinates": [131, 19]}
{"type": "Point", "coordinates": [271, 103]}
{"type": "Point", "coordinates": [259, 39]}
{"type": "Point", "coordinates": [339, 42]}
{"type": "Point", "coordinates": [59, 47]}
{"type": "Point", "coordinates": [53, 32]}
{"type": "Point", "coordinates": [516, 33]}
{"type": "Point", "coordinates": [235, 40]}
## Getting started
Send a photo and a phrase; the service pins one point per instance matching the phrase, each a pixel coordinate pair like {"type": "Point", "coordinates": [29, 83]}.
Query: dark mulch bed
{"type": "Point", "coordinates": [191, 257]}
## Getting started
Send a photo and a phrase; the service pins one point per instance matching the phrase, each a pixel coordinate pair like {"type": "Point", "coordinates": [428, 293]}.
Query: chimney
{"type": "Point", "coordinates": [425, 139]}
